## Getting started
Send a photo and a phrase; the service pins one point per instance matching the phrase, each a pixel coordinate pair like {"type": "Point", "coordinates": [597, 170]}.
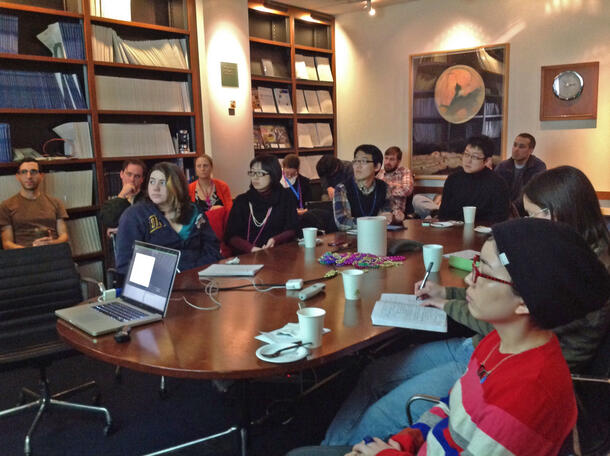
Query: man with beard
{"type": "Point", "coordinates": [31, 218]}
{"type": "Point", "coordinates": [399, 180]}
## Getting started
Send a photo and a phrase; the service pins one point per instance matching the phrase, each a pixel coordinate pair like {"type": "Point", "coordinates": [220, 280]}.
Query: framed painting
{"type": "Point", "coordinates": [456, 95]}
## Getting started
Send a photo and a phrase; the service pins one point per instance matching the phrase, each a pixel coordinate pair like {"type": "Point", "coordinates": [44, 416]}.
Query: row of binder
{"type": "Point", "coordinates": [40, 90]}
{"type": "Point", "coordinates": [64, 40]}
{"type": "Point", "coordinates": [9, 34]}
{"type": "Point", "coordinates": [108, 46]}
{"type": "Point", "coordinates": [6, 154]}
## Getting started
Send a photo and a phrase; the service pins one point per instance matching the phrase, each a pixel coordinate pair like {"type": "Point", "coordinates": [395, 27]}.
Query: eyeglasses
{"type": "Point", "coordinates": [544, 211]}
{"type": "Point", "coordinates": [476, 273]}
{"type": "Point", "coordinates": [258, 173]}
{"type": "Point", "coordinates": [361, 162]}
{"type": "Point", "coordinates": [473, 157]}
{"type": "Point", "coordinates": [33, 172]}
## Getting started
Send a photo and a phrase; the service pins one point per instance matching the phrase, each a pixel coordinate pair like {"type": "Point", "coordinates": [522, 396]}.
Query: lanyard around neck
{"type": "Point", "coordinates": [360, 202]}
{"type": "Point", "coordinates": [296, 193]}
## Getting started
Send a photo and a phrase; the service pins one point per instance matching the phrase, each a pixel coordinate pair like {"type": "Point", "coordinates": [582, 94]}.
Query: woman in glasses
{"type": "Point", "coordinates": [168, 218]}
{"type": "Point", "coordinates": [516, 395]}
{"type": "Point", "coordinates": [562, 194]}
{"type": "Point", "coordinates": [264, 216]}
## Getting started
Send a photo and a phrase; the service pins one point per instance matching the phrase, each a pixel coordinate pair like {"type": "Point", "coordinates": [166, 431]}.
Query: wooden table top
{"type": "Point", "coordinates": [220, 343]}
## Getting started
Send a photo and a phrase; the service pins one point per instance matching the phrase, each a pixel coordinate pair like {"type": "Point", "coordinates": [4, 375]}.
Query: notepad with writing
{"type": "Point", "coordinates": [404, 311]}
{"type": "Point", "coordinates": [230, 270]}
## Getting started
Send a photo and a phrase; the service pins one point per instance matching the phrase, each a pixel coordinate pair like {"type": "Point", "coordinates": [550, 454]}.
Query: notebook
{"type": "Point", "coordinates": [146, 292]}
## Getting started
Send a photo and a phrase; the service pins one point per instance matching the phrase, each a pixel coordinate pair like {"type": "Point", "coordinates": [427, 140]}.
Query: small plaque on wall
{"type": "Point", "coordinates": [569, 91]}
{"type": "Point", "coordinates": [228, 74]}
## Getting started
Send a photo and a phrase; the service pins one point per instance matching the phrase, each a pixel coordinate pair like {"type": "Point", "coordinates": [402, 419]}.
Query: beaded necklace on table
{"type": "Point", "coordinates": [360, 260]}
{"type": "Point", "coordinates": [261, 225]}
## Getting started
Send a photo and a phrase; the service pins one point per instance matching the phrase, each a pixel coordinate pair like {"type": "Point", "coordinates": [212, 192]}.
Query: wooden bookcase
{"type": "Point", "coordinates": [277, 33]}
{"type": "Point", "coordinates": [151, 19]}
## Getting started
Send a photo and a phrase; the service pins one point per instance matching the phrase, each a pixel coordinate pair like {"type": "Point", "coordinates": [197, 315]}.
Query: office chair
{"type": "Point", "coordinates": [34, 282]}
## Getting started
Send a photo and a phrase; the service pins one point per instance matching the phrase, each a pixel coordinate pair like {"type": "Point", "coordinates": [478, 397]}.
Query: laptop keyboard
{"type": "Point", "coordinates": [119, 312]}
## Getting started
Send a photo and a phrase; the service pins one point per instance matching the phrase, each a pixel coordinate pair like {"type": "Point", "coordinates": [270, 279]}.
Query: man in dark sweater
{"type": "Point", "coordinates": [363, 195]}
{"type": "Point", "coordinates": [333, 172]}
{"type": "Point", "coordinates": [476, 185]}
{"type": "Point", "coordinates": [520, 168]}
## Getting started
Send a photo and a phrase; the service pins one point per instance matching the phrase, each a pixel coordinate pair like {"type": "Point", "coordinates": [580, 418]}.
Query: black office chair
{"type": "Point", "coordinates": [34, 282]}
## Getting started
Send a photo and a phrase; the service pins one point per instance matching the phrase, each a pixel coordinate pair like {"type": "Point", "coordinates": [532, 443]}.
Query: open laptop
{"type": "Point", "coordinates": [146, 292]}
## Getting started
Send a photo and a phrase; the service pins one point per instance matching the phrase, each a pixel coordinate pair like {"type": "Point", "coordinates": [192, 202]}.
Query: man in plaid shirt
{"type": "Point", "coordinates": [399, 180]}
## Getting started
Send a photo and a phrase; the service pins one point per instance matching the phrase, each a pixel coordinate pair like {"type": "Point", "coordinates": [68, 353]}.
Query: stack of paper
{"type": "Point", "coordinates": [9, 34]}
{"type": "Point", "coordinates": [323, 69]}
{"type": "Point", "coordinates": [64, 40]}
{"type": "Point", "coordinates": [404, 311]}
{"type": "Point", "coordinates": [123, 140]}
{"type": "Point", "coordinates": [84, 235]}
{"type": "Point", "coordinates": [314, 135]}
{"type": "Point", "coordinates": [131, 94]}
{"type": "Point", "coordinates": [63, 184]}
{"type": "Point", "coordinates": [314, 102]}
{"type": "Point", "coordinates": [77, 139]}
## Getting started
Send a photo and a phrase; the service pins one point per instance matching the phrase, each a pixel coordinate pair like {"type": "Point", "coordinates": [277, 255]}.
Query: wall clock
{"type": "Point", "coordinates": [569, 91]}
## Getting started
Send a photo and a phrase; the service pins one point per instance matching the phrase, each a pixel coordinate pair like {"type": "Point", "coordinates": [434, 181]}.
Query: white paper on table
{"type": "Point", "coordinates": [287, 333]}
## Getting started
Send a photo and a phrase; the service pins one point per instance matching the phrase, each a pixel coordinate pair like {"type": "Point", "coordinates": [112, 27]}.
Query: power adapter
{"type": "Point", "coordinates": [294, 284]}
{"type": "Point", "coordinates": [108, 295]}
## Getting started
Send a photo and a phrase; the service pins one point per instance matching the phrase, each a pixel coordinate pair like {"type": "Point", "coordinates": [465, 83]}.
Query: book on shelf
{"type": "Point", "coordinates": [304, 133]}
{"type": "Point", "coordinates": [124, 140]}
{"type": "Point", "coordinates": [257, 138]}
{"type": "Point", "coordinates": [275, 136]}
{"type": "Point", "coordinates": [62, 185]}
{"type": "Point", "coordinates": [323, 68]}
{"type": "Point", "coordinates": [64, 40]}
{"type": "Point", "coordinates": [84, 235]}
{"type": "Point", "coordinates": [77, 139]}
{"type": "Point", "coordinates": [6, 153]}
{"type": "Point", "coordinates": [313, 104]}
{"type": "Point", "coordinates": [267, 100]}
{"type": "Point", "coordinates": [310, 64]}
{"type": "Point", "coordinates": [314, 135]}
{"type": "Point", "coordinates": [40, 90]}
{"type": "Point", "coordinates": [132, 94]}
{"type": "Point", "coordinates": [268, 69]}
{"type": "Point", "coordinates": [282, 99]}
{"type": "Point", "coordinates": [403, 311]}
{"type": "Point", "coordinates": [256, 102]}
{"type": "Point", "coordinates": [325, 135]}
{"type": "Point", "coordinates": [325, 101]}
{"type": "Point", "coordinates": [108, 46]}
{"type": "Point", "coordinates": [9, 34]}
{"type": "Point", "coordinates": [300, 66]}
{"type": "Point", "coordinates": [9, 186]}
{"type": "Point", "coordinates": [301, 104]}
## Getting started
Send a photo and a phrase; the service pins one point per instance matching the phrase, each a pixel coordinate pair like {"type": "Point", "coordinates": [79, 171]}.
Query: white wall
{"type": "Point", "coordinates": [372, 61]}
{"type": "Point", "coordinates": [222, 26]}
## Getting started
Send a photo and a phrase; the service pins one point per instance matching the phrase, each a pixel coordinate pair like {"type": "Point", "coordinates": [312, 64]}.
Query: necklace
{"type": "Point", "coordinates": [484, 373]}
{"type": "Point", "coordinates": [256, 222]}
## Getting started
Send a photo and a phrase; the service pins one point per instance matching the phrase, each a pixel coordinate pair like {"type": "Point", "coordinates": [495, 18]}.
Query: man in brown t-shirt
{"type": "Point", "coordinates": [30, 218]}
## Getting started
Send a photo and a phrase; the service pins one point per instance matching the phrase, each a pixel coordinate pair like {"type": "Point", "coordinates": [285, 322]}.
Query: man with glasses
{"type": "Point", "coordinates": [476, 185]}
{"type": "Point", "coordinates": [363, 195]}
{"type": "Point", "coordinates": [31, 218]}
{"type": "Point", "coordinates": [520, 168]}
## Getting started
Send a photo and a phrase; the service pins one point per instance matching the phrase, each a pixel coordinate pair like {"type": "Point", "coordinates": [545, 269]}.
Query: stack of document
{"type": "Point", "coordinates": [123, 140]}
{"type": "Point", "coordinates": [312, 68]}
{"type": "Point", "coordinates": [131, 94]}
{"type": "Point", "coordinates": [77, 139]}
{"type": "Point", "coordinates": [64, 40]}
{"type": "Point", "coordinates": [6, 154]}
{"type": "Point", "coordinates": [9, 34]}
{"type": "Point", "coordinates": [314, 102]}
{"type": "Point", "coordinates": [84, 235]}
{"type": "Point", "coordinates": [73, 188]}
{"type": "Point", "coordinates": [314, 135]}
{"type": "Point", "coordinates": [108, 46]}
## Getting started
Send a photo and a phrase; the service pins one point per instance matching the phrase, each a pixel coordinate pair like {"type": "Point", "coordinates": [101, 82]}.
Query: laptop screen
{"type": "Point", "coordinates": [151, 275]}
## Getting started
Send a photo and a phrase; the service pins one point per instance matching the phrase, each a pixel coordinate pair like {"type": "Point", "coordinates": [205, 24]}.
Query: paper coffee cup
{"type": "Point", "coordinates": [352, 283]}
{"type": "Point", "coordinates": [311, 325]}
{"type": "Point", "coordinates": [309, 235]}
{"type": "Point", "coordinates": [433, 253]}
{"type": "Point", "coordinates": [469, 213]}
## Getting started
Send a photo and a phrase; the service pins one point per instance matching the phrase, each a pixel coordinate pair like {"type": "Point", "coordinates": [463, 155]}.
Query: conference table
{"type": "Point", "coordinates": [221, 344]}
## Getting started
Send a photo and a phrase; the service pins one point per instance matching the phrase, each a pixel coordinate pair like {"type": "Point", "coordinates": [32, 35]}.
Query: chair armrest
{"type": "Point", "coordinates": [89, 280]}
{"type": "Point", "coordinates": [590, 378]}
{"type": "Point", "coordinates": [419, 397]}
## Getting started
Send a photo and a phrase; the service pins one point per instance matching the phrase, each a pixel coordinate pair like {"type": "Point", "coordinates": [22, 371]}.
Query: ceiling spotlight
{"type": "Point", "coordinates": [369, 7]}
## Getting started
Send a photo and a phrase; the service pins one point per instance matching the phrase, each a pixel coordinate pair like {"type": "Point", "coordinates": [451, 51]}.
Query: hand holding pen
{"type": "Point", "coordinates": [429, 290]}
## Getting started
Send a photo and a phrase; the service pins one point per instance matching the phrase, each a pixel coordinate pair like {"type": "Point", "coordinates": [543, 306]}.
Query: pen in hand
{"type": "Point", "coordinates": [423, 282]}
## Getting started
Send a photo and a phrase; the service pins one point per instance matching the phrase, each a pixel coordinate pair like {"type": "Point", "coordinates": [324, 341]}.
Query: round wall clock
{"type": "Point", "coordinates": [568, 85]}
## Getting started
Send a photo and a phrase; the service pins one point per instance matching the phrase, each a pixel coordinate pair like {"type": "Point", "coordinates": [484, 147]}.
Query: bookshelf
{"type": "Point", "coordinates": [105, 80]}
{"type": "Point", "coordinates": [288, 46]}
